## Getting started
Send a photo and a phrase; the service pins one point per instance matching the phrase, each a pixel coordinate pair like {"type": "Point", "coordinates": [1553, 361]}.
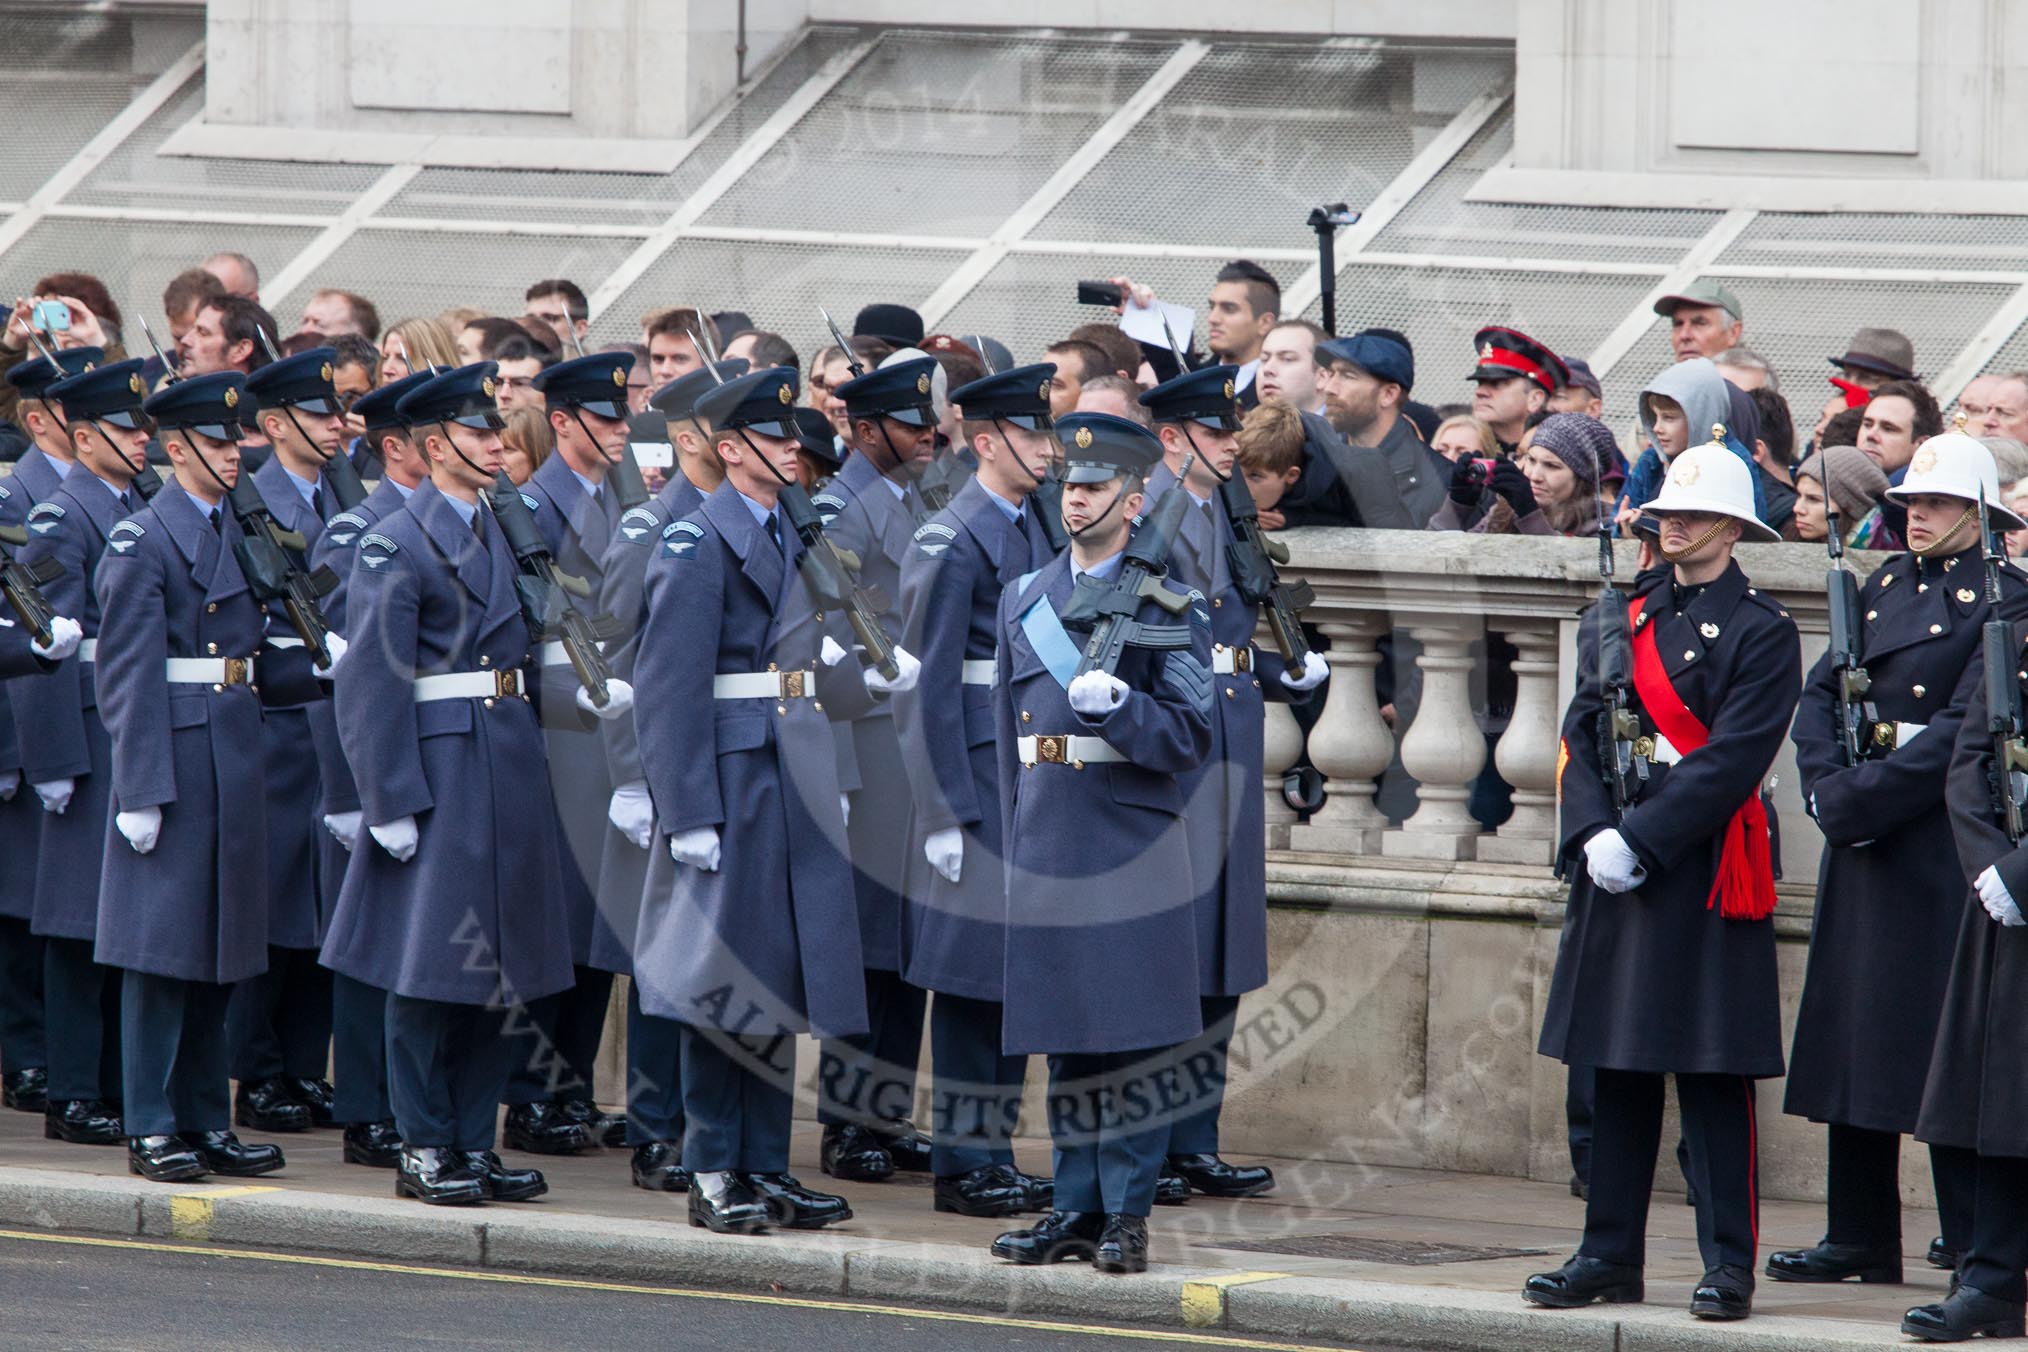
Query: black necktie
{"type": "Point", "coordinates": [217, 522]}
{"type": "Point", "coordinates": [317, 502]}
{"type": "Point", "coordinates": [1018, 553]}
{"type": "Point", "coordinates": [478, 521]}
{"type": "Point", "coordinates": [127, 501]}
{"type": "Point", "coordinates": [775, 532]}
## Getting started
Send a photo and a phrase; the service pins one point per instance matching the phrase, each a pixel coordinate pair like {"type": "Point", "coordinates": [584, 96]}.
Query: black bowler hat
{"type": "Point", "coordinates": [109, 394]}
{"type": "Point", "coordinates": [678, 398]}
{"type": "Point", "coordinates": [37, 374]}
{"type": "Point", "coordinates": [209, 405]}
{"type": "Point", "coordinates": [1206, 395]}
{"type": "Point", "coordinates": [900, 391]}
{"type": "Point", "coordinates": [597, 384]}
{"type": "Point", "coordinates": [1019, 396]}
{"type": "Point", "coordinates": [463, 396]}
{"type": "Point", "coordinates": [302, 381]}
{"type": "Point", "coordinates": [896, 324]}
{"type": "Point", "coordinates": [1099, 446]}
{"type": "Point", "coordinates": [376, 408]}
{"type": "Point", "coordinates": [764, 400]}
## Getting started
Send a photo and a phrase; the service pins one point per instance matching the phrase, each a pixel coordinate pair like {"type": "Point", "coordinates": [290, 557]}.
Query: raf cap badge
{"type": "Point", "coordinates": [619, 375]}
{"type": "Point", "coordinates": [1228, 389]}
{"type": "Point", "coordinates": [134, 383]}
{"type": "Point", "coordinates": [486, 385]}
{"type": "Point", "coordinates": [324, 371]}
{"type": "Point", "coordinates": [1043, 392]}
{"type": "Point", "coordinates": [782, 393]}
{"type": "Point", "coordinates": [922, 383]}
{"type": "Point", "coordinates": [1084, 438]}
{"type": "Point", "coordinates": [231, 397]}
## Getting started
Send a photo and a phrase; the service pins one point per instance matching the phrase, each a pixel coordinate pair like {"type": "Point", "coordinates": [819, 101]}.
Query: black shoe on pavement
{"type": "Point", "coordinates": [224, 1153]}
{"type": "Point", "coordinates": [500, 1183]}
{"type": "Point", "coordinates": [1213, 1177]}
{"type": "Point", "coordinates": [1057, 1238]}
{"type": "Point", "coordinates": [268, 1106]}
{"type": "Point", "coordinates": [989, 1190]}
{"type": "Point", "coordinates": [82, 1122]}
{"type": "Point", "coordinates": [855, 1154]}
{"type": "Point", "coordinates": [721, 1202]}
{"type": "Point", "coordinates": [1171, 1188]}
{"type": "Point", "coordinates": [1041, 1191]}
{"type": "Point", "coordinates": [1968, 1313]}
{"type": "Point", "coordinates": [658, 1167]}
{"type": "Point", "coordinates": [1941, 1255]}
{"type": "Point", "coordinates": [1585, 1281]}
{"type": "Point", "coordinates": [1726, 1293]}
{"type": "Point", "coordinates": [377, 1145]}
{"type": "Point", "coordinates": [544, 1129]}
{"type": "Point", "coordinates": [164, 1159]}
{"type": "Point", "coordinates": [907, 1147]}
{"type": "Point", "coordinates": [1123, 1245]}
{"type": "Point", "coordinates": [1580, 1189]}
{"type": "Point", "coordinates": [437, 1176]}
{"type": "Point", "coordinates": [607, 1129]}
{"type": "Point", "coordinates": [795, 1207]}
{"type": "Point", "coordinates": [316, 1095]}
{"type": "Point", "coordinates": [25, 1091]}
{"type": "Point", "coordinates": [1829, 1262]}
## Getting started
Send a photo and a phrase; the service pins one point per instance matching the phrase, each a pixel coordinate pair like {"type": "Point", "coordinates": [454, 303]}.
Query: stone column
{"type": "Point", "coordinates": [1527, 752]}
{"type": "Point", "coordinates": [1443, 749]}
{"type": "Point", "coordinates": [1281, 746]}
{"type": "Point", "coordinates": [1350, 744]}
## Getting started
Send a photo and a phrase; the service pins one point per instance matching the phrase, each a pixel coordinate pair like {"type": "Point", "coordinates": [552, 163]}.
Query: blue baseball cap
{"type": "Point", "coordinates": [1379, 356]}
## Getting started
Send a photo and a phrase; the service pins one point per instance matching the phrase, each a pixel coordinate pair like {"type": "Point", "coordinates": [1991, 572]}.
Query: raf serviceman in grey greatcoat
{"type": "Point", "coordinates": [184, 890]}
{"type": "Point", "coordinates": [1101, 926]}
{"type": "Point", "coordinates": [453, 901]}
{"type": "Point", "coordinates": [748, 931]}
{"type": "Point", "coordinates": [955, 914]}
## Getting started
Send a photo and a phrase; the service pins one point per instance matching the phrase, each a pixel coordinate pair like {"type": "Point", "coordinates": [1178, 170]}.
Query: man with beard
{"type": "Point", "coordinates": [1365, 380]}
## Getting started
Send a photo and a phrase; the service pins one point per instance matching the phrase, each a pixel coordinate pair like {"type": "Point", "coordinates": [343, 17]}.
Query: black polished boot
{"type": "Point", "coordinates": [1829, 1262]}
{"type": "Point", "coordinates": [606, 1129]}
{"type": "Point", "coordinates": [224, 1153]}
{"type": "Point", "coordinates": [267, 1105]}
{"type": "Point", "coordinates": [25, 1091]}
{"type": "Point", "coordinates": [907, 1147]}
{"type": "Point", "coordinates": [377, 1145]}
{"type": "Point", "coordinates": [1171, 1188]}
{"type": "Point", "coordinates": [1967, 1313]}
{"type": "Point", "coordinates": [658, 1167]}
{"type": "Point", "coordinates": [721, 1201]}
{"type": "Point", "coordinates": [82, 1122]}
{"type": "Point", "coordinates": [1213, 1177]}
{"type": "Point", "coordinates": [437, 1176]}
{"type": "Point", "coordinates": [855, 1154]}
{"type": "Point", "coordinates": [500, 1183]}
{"type": "Point", "coordinates": [1123, 1245]}
{"type": "Point", "coordinates": [314, 1094]}
{"type": "Point", "coordinates": [795, 1207]}
{"type": "Point", "coordinates": [165, 1159]}
{"type": "Point", "coordinates": [990, 1190]}
{"type": "Point", "coordinates": [1584, 1281]}
{"type": "Point", "coordinates": [1726, 1293]}
{"type": "Point", "coordinates": [543, 1129]}
{"type": "Point", "coordinates": [1941, 1255]}
{"type": "Point", "coordinates": [1041, 1191]}
{"type": "Point", "coordinates": [1056, 1238]}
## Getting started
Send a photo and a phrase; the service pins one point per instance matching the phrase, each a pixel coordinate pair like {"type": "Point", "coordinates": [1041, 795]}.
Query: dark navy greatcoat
{"type": "Point", "coordinates": [56, 716]}
{"type": "Point", "coordinates": [1656, 979]}
{"type": "Point", "coordinates": [1101, 928]}
{"type": "Point", "coordinates": [196, 907]}
{"type": "Point", "coordinates": [21, 815]}
{"type": "Point", "coordinates": [1891, 890]}
{"type": "Point", "coordinates": [770, 940]}
{"type": "Point", "coordinates": [864, 515]}
{"type": "Point", "coordinates": [954, 934]}
{"type": "Point", "coordinates": [623, 865]}
{"type": "Point", "coordinates": [477, 915]}
{"type": "Point", "coordinates": [1976, 1093]}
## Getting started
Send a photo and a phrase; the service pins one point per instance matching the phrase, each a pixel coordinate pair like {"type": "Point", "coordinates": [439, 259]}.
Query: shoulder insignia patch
{"type": "Point", "coordinates": [43, 516]}
{"type": "Point", "coordinates": [828, 501]}
{"type": "Point", "coordinates": [689, 528]}
{"type": "Point", "coordinates": [376, 549]}
{"type": "Point", "coordinates": [934, 528]}
{"type": "Point", "coordinates": [343, 519]}
{"type": "Point", "coordinates": [646, 517]}
{"type": "Point", "coordinates": [534, 503]}
{"type": "Point", "coordinates": [5, 491]}
{"type": "Point", "coordinates": [679, 540]}
{"type": "Point", "coordinates": [125, 536]}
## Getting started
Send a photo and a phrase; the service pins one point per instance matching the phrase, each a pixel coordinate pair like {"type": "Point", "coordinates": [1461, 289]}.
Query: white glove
{"type": "Point", "coordinates": [1096, 692]}
{"type": "Point", "coordinates": [1612, 863]}
{"type": "Point", "coordinates": [697, 847]}
{"type": "Point", "coordinates": [1997, 900]}
{"type": "Point", "coordinates": [398, 838]}
{"type": "Point", "coordinates": [830, 653]}
{"type": "Point", "coordinates": [64, 636]}
{"type": "Point", "coordinates": [633, 812]}
{"type": "Point", "coordinates": [907, 672]}
{"type": "Point", "coordinates": [55, 794]}
{"type": "Point", "coordinates": [344, 826]}
{"type": "Point", "coordinates": [945, 851]}
{"type": "Point", "coordinates": [336, 645]}
{"type": "Point", "coordinates": [619, 699]}
{"type": "Point", "coordinates": [1315, 669]}
{"type": "Point", "coordinates": [142, 827]}
{"type": "Point", "coordinates": [845, 807]}
{"type": "Point", "coordinates": [10, 784]}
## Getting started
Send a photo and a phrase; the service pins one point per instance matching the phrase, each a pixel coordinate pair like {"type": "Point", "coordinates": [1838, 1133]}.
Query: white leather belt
{"type": "Point", "coordinates": [978, 671]}
{"type": "Point", "coordinates": [1665, 752]}
{"type": "Point", "coordinates": [214, 671]}
{"type": "Point", "coordinates": [468, 685]}
{"type": "Point", "coordinates": [1904, 733]}
{"type": "Point", "coordinates": [88, 650]}
{"type": "Point", "coordinates": [1230, 661]}
{"type": "Point", "coordinates": [1074, 750]}
{"type": "Point", "coordinates": [764, 685]}
{"type": "Point", "coordinates": [282, 642]}
{"type": "Point", "coordinates": [554, 654]}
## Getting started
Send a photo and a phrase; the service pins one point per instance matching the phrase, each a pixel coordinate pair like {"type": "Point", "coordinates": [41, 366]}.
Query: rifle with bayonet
{"type": "Point", "coordinates": [2004, 717]}
{"type": "Point", "coordinates": [1109, 608]}
{"type": "Point", "coordinates": [1622, 751]}
{"type": "Point", "coordinates": [1857, 720]}
{"type": "Point", "coordinates": [546, 590]}
{"type": "Point", "coordinates": [268, 554]}
{"type": "Point", "coordinates": [22, 584]}
{"type": "Point", "coordinates": [1253, 558]}
{"type": "Point", "coordinates": [338, 469]}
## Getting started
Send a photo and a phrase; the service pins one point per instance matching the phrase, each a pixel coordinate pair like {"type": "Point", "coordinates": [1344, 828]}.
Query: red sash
{"type": "Point", "coordinates": [1744, 887]}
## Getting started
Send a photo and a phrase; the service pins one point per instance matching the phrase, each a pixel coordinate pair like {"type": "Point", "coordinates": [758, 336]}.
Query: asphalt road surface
{"type": "Point", "coordinates": [70, 1292]}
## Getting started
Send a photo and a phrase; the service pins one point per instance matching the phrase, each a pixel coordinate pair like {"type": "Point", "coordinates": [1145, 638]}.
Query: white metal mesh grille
{"type": "Point", "coordinates": [1848, 240]}
{"type": "Point", "coordinates": [66, 77]}
{"type": "Point", "coordinates": [1254, 136]}
{"type": "Point", "coordinates": [939, 129]}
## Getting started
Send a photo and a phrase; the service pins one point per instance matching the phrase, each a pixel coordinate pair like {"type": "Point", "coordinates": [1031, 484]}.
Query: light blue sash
{"type": "Point", "coordinates": [1059, 652]}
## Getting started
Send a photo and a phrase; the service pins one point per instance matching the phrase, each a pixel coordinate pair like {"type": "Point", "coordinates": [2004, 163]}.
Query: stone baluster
{"type": "Point", "coordinates": [1443, 750]}
{"type": "Point", "coordinates": [1350, 743]}
{"type": "Point", "coordinates": [1281, 747]}
{"type": "Point", "coordinates": [1527, 751]}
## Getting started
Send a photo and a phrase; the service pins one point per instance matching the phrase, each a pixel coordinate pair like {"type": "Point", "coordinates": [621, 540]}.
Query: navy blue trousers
{"type": "Point", "coordinates": [81, 1029]}
{"type": "Point", "coordinates": [1862, 1188]}
{"type": "Point", "coordinates": [1999, 1250]}
{"type": "Point", "coordinates": [654, 1075]}
{"type": "Point", "coordinates": [557, 1042]}
{"type": "Point", "coordinates": [21, 1042]}
{"type": "Point", "coordinates": [1719, 1130]}
{"type": "Point", "coordinates": [279, 1023]}
{"type": "Point", "coordinates": [1203, 1064]}
{"type": "Point", "coordinates": [738, 1101]}
{"type": "Point", "coordinates": [869, 1078]}
{"type": "Point", "coordinates": [1108, 1128]}
{"type": "Point", "coordinates": [172, 1045]}
{"type": "Point", "coordinates": [358, 1051]}
{"type": "Point", "coordinates": [976, 1101]}
{"type": "Point", "coordinates": [447, 1066]}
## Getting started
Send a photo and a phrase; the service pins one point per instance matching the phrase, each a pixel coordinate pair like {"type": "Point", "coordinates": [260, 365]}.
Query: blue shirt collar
{"type": "Point", "coordinates": [900, 491]}
{"type": "Point", "coordinates": [591, 489]}
{"type": "Point", "coordinates": [760, 513]}
{"type": "Point", "coordinates": [1011, 509]}
{"type": "Point", "coordinates": [405, 491]}
{"type": "Point", "coordinates": [62, 467]}
{"type": "Point", "coordinates": [306, 487]}
{"type": "Point", "coordinates": [1104, 572]}
{"type": "Point", "coordinates": [465, 510]}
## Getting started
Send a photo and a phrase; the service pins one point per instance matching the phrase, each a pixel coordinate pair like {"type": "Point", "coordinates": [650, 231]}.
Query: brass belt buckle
{"type": "Point", "coordinates": [792, 684]}
{"type": "Point", "coordinates": [1885, 736]}
{"type": "Point", "coordinates": [1242, 660]}
{"type": "Point", "coordinates": [1644, 747]}
{"type": "Point", "coordinates": [1052, 750]}
{"type": "Point", "coordinates": [507, 684]}
{"type": "Point", "coordinates": [235, 671]}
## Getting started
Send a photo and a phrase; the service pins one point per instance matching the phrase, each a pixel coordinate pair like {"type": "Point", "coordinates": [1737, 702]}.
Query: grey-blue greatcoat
{"type": "Point", "coordinates": [477, 915]}
{"type": "Point", "coordinates": [20, 816]}
{"type": "Point", "coordinates": [769, 941]}
{"type": "Point", "coordinates": [1101, 935]}
{"type": "Point", "coordinates": [196, 907]}
{"type": "Point", "coordinates": [954, 934]}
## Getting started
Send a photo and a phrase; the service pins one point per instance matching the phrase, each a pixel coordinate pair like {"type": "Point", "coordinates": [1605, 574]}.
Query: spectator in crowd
{"type": "Point", "coordinates": [1123, 354]}
{"type": "Point", "coordinates": [832, 367]}
{"type": "Point", "coordinates": [1243, 307]}
{"type": "Point", "coordinates": [639, 386]}
{"type": "Point", "coordinates": [1899, 417]}
{"type": "Point", "coordinates": [301, 341]}
{"type": "Point", "coordinates": [1856, 486]}
{"type": "Point", "coordinates": [455, 318]}
{"type": "Point", "coordinates": [560, 304]}
{"type": "Point", "coordinates": [1580, 391]}
{"type": "Point", "coordinates": [236, 273]}
{"type": "Point", "coordinates": [1999, 408]}
{"type": "Point", "coordinates": [1550, 488]}
{"type": "Point", "coordinates": [1704, 319]}
{"type": "Point", "coordinates": [520, 359]}
{"type": "Point", "coordinates": [1747, 369]}
{"type": "Point", "coordinates": [331, 312]}
{"type": "Point", "coordinates": [1115, 395]}
{"type": "Point", "coordinates": [355, 372]}
{"type": "Point", "coordinates": [1876, 356]}
{"type": "Point", "coordinates": [414, 344]}
{"type": "Point", "coordinates": [672, 351]}
{"type": "Point", "coordinates": [2015, 497]}
{"type": "Point", "coordinates": [1679, 408]}
{"type": "Point", "coordinates": [226, 337]}
{"type": "Point", "coordinates": [1271, 442]}
{"type": "Point", "coordinates": [2010, 458]}
{"type": "Point", "coordinates": [896, 325]}
{"type": "Point", "coordinates": [540, 334]}
{"type": "Point", "coordinates": [1462, 435]}
{"type": "Point", "coordinates": [1975, 401]}
{"type": "Point", "coordinates": [480, 338]}
{"type": "Point", "coordinates": [760, 350]}
{"type": "Point", "coordinates": [1512, 381]}
{"type": "Point", "coordinates": [959, 366]}
{"type": "Point", "coordinates": [1843, 428]}
{"type": "Point", "coordinates": [528, 439]}
{"type": "Point", "coordinates": [181, 298]}
{"type": "Point", "coordinates": [1076, 362]}
{"type": "Point", "coordinates": [1774, 451]}
{"type": "Point", "coordinates": [1365, 379]}
{"type": "Point", "coordinates": [77, 291]}
{"type": "Point", "coordinates": [1288, 365]}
